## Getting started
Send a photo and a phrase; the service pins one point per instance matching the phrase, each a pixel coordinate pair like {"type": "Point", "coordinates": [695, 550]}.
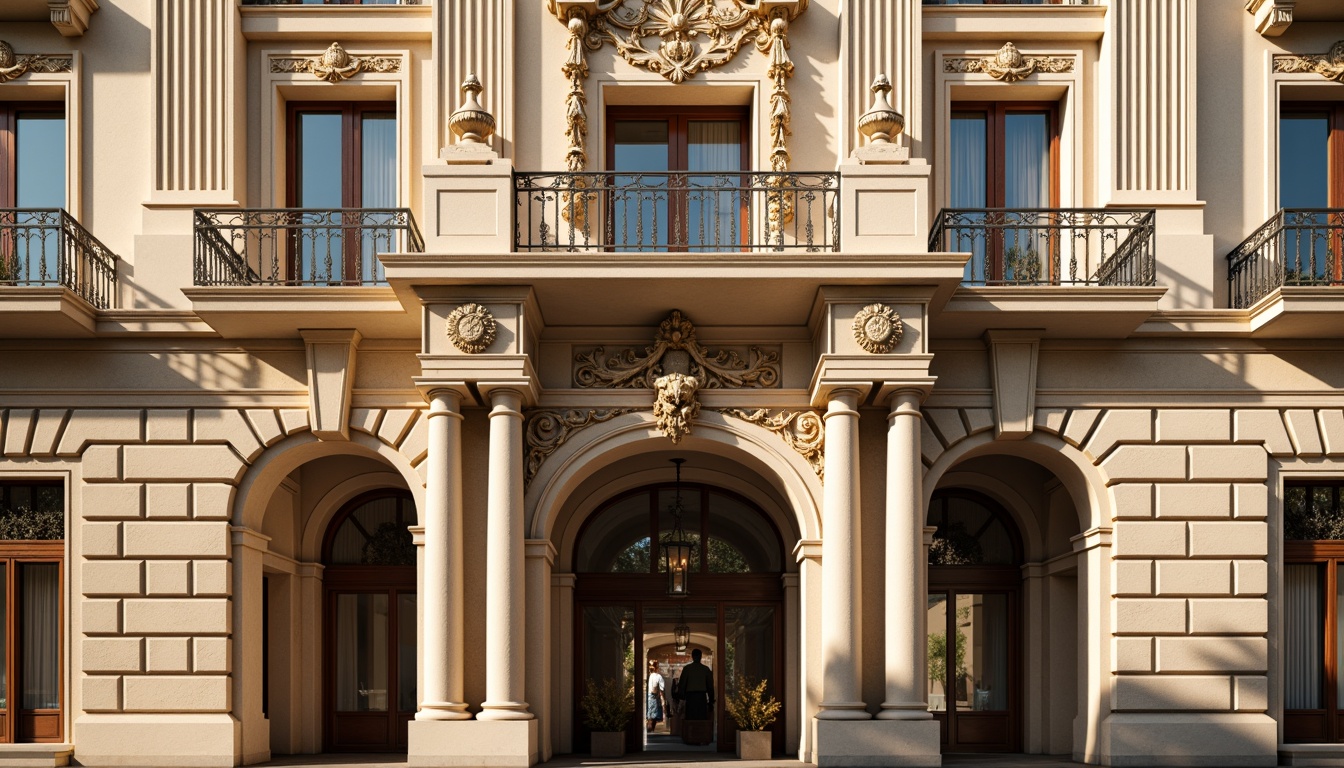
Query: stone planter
{"type": "Point", "coordinates": [753, 745]}
{"type": "Point", "coordinates": [608, 743]}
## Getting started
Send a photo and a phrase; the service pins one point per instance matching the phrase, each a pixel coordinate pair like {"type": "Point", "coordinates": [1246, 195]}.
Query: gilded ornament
{"type": "Point", "coordinates": [335, 65]}
{"type": "Point", "coordinates": [1329, 65]}
{"type": "Point", "coordinates": [13, 65]}
{"type": "Point", "coordinates": [628, 369]}
{"type": "Point", "coordinates": [676, 407]}
{"type": "Point", "coordinates": [804, 431]}
{"type": "Point", "coordinates": [471, 328]}
{"type": "Point", "coordinates": [878, 328]}
{"type": "Point", "coordinates": [1008, 65]}
{"type": "Point", "coordinates": [546, 431]}
{"type": "Point", "coordinates": [470, 122]}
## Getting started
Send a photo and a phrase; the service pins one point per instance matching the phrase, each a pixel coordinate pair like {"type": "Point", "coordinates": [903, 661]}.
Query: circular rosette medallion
{"type": "Point", "coordinates": [471, 328]}
{"type": "Point", "coordinates": [878, 328]}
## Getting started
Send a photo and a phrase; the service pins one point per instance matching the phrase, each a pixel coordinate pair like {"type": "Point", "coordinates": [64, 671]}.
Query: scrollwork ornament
{"type": "Point", "coordinates": [1329, 65]}
{"type": "Point", "coordinates": [547, 430]}
{"type": "Point", "coordinates": [878, 328]}
{"type": "Point", "coordinates": [335, 64]}
{"type": "Point", "coordinates": [471, 328]}
{"type": "Point", "coordinates": [1008, 64]}
{"type": "Point", "coordinates": [628, 369]}
{"type": "Point", "coordinates": [804, 431]}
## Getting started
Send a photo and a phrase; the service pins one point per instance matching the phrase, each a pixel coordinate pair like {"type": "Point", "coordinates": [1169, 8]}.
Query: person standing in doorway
{"type": "Point", "coordinates": [654, 707]}
{"type": "Point", "coordinates": [697, 688]}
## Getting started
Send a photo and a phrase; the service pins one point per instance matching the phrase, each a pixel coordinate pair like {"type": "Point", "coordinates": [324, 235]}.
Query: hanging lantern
{"type": "Point", "coordinates": [677, 548]}
{"type": "Point", "coordinates": [682, 632]}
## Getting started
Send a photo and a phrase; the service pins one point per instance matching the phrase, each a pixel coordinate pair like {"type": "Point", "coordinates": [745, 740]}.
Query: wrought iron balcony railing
{"type": "Point", "coordinates": [300, 246]}
{"type": "Point", "coordinates": [1295, 247]}
{"type": "Point", "coordinates": [47, 247]}
{"type": "Point", "coordinates": [682, 211]}
{"type": "Point", "coordinates": [1050, 246]}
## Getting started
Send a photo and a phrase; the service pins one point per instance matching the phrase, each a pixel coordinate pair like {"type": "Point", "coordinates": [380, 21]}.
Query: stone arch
{"type": "Point", "coordinates": [793, 485]}
{"type": "Point", "coordinates": [1082, 480]}
{"type": "Point", "coordinates": [1017, 507]}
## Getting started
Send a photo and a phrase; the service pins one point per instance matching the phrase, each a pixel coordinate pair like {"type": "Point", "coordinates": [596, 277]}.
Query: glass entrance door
{"type": "Point", "coordinates": [971, 679]}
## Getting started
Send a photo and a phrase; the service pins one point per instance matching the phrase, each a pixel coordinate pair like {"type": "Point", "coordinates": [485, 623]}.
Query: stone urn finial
{"type": "Point", "coordinates": [881, 123]}
{"type": "Point", "coordinates": [471, 123]}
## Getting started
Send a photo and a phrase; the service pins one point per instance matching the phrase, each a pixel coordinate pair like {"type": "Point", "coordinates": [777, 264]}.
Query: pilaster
{"type": "Point", "coordinates": [475, 37]}
{"type": "Point", "coordinates": [882, 36]}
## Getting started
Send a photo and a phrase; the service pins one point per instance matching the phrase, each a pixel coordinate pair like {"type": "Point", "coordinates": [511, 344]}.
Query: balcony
{"type": "Point", "coordinates": [1075, 271]}
{"type": "Point", "coordinates": [48, 248]}
{"type": "Point", "coordinates": [677, 212]}
{"type": "Point", "coordinates": [1297, 247]}
{"type": "Point", "coordinates": [267, 273]}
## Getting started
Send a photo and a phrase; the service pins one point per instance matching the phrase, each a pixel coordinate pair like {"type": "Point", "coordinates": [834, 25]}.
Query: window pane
{"type": "Point", "coordinates": [641, 145]}
{"type": "Point", "coordinates": [1304, 161]}
{"type": "Point", "coordinates": [319, 179]}
{"type": "Point", "coordinates": [1312, 513]}
{"type": "Point", "coordinates": [40, 160]}
{"type": "Point", "coordinates": [4, 634]}
{"type": "Point", "coordinates": [40, 638]}
{"type": "Point", "coordinates": [1303, 636]}
{"type": "Point", "coordinates": [938, 653]}
{"type": "Point", "coordinates": [983, 620]}
{"type": "Point", "coordinates": [740, 539]}
{"type": "Point", "coordinates": [714, 206]}
{"type": "Point", "coordinates": [406, 646]}
{"type": "Point", "coordinates": [32, 512]}
{"type": "Point", "coordinates": [749, 646]}
{"type": "Point", "coordinates": [361, 653]}
{"type": "Point", "coordinates": [608, 643]}
{"type": "Point", "coordinates": [968, 188]}
{"type": "Point", "coordinates": [639, 208]}
{"type": "Point", "coordinates": [617, 540]}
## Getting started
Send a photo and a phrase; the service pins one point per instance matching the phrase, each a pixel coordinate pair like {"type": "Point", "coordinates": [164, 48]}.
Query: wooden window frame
{"type": "Point", "coordinates": [9, 161]}
{"type": "Point", "coordinates": [678, 131]}
{"type": "Point", "coordinates": [1325, 725]}
{"type": "Point", "coordinates": [1333, 111]}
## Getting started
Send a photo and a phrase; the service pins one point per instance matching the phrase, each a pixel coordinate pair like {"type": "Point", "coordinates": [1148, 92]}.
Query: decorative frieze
{"type": "Point", "coordinates": [13, 65]}
{"type": "Point", "coordinates": [1329, 65]}
{"type": "Point", "coordinates": [334, 64]}
{"type": "Point", "coordinates": [802, 430]}
{"type": "Point", "coordinates": [545, 431]}
{"type": "Point", "coordinates": [676, 350]}
{"type": "Point", "coordinates": [1008, 65]}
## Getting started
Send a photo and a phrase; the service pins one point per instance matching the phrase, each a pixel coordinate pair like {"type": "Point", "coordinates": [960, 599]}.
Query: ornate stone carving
{"type": "Point", "coordinates": [335, 65]}
{"type": "Point", "coordinates": [13, 65]}
{"type": "Point", "coordinates": [881, 123]}
{"type": "Point", "coordinates": [802, 430]}
{"type": "Point", "coordinates": [1008, 65]}
{"type": "Point", "coordinates": [546, 431]}
{"type": "Point", "coordinates": [471, 328]}
{"type": "Point", "coordinates": [676, 350]}
{"type": "Point", "coordinates": [1329, 65]}
{"type": "Point", "coordinates": [878, 328]}
{"type": "Point", "coordinates": [470, 122]}
{"type": "Point", "coordinates": [676, 405]}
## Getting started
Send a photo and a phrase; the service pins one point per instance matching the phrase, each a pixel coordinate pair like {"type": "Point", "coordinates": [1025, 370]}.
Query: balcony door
{"type": "Point", "coordinates": [1311, 191]}
{"type": "Point", "coordinates": [32, 179]}
{"type": "Point", "coordinates": [678, 180]}
{"type": "Point", "coordinates": [342, 176]}
{"type": "Point", "coordinates": [1005, 155]}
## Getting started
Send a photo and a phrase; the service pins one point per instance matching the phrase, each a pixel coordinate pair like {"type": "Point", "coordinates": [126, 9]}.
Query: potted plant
{"type": "Point", "coordinates": [607, 706]}
{"type": "Point", "coordinates": [754, 711]}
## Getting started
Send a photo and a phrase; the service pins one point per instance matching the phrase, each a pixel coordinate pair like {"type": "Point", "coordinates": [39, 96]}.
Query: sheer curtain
{"type": "Point", "coordinates": [712, 211]}
{"type": "Point", "coordinates": [39, 176]}
{"type": "Point", "coordinates": [968, 168]}
{"type": "Point", "coordinates": [378, 168]}
{"type": "Point", "coordinates": [1026, 185]}
{"type": "Point", "coordinates": [40, 635]}
{"type": "Point", "coordinates": [1303, 667]}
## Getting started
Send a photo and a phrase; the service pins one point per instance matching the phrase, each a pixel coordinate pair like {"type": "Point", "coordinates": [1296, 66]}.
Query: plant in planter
{"type": "Point", "coordinates": [754, 711]}
{"type": "Point", "coordinates": [607, 706]}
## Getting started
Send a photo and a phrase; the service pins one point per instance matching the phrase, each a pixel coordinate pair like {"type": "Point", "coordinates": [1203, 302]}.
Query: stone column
{"type": "Point", "coordinates": [249, 547]}
{"type": "Point", "coordinates": [540, 560]}
{"type": "Point", "coordinates": [906, 645]}
{"type": "Point", "coordinates": [504, 556]}
{"type": "Point", "coordinates": [441, 697]}
{"type": "Point", "coordinates": [840, 630]}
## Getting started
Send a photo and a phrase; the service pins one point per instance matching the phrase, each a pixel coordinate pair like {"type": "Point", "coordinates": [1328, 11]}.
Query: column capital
{"type": "Point", "coordinates": [431, 386]}
{"type": "Point", "coordinates": [903, 397]}
{"type": "Point", "coordinates": [807, 549]}
{"type": "Point", "coordinates": [534, 549]}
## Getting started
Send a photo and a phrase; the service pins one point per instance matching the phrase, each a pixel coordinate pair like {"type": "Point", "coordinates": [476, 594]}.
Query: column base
{"type": "Point", "coordinates": [876, 743]}
{"type": "Point", "coordinates": [1188, 739]}
{"type": "Point", "coordinates": [186, 741]}
{"type": "Point", "coordinates": [473, 743]}
{"type": "Point", "coordinates": [442, 711]}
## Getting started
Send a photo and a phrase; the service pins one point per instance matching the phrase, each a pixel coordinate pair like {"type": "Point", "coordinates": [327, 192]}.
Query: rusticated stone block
{"type": "Point", "coordinates": [168, 501]}
{"type": "Point", "coordinates": [100, 617]}
{"type": "Point", "coordinates": [210, 578]}
{"type": "Point", "coordinates": [112, 654]}
{"type": "Point", "coordinates": [168, 654]}
{"type": "Point", "coordinates": [177, 693]}
{"type": "Point", "coordinates": [1194, 577]}
{"type": "Point", "coordinates": [1262, 426]}
{"type": "Point", "coordinates": [1250, 693]}
{"type": "Point", "coordinates": [1194, 500]}
{"type": "Point", "coordinates": [101, 463]}
{"type": "Point", "coordinates": [101, 539]}
{"type": "Point", "coordinates": [1229, 615]}
{"type": "Point", "coordinates": [266, 424]}
{"type": "Point", "coordinates": [1302, 430]}
{"type": "Point", "coordinates": [1250, 502]}
{"type": "Point", "coordinates": [210, 654]}
{"type": "Point", "coordinates": [1228, 462]}
{"type": "Point", "coordinates": [182, 462]}
{"type": "Point", "coordinates": [211, 502]}
{"type": "Point", "coordinates": [45, 433]}
{"type": "Point", "coordinates": [1172, 692]}
{"type": "Point", "coordinates": [1136, 463]}
{"type": "Point", "coordinates": [1194, 425]}
{"type": "Point", "coordinates": [1148, 539]}
{"type": "Point", "coordinates": [87, 426]}
{"type": "Point", "coordinates": [1079, 425]}
{"type": "Point", "coordinates": [167, 426]}
{"type": "Point", "coordinates": [1132, 500]}
{"type": "Point", "coordinates": [1120, 426]}
{"type": "Point", "coordinates": [101, 694]}
{"type": "Point", "coordinates": [1228, 539]}
{"type": "Point", "coordinates": [173, 539]}
{"type": "Point", "coordinates": [1133, 577]}
{"type": "Point", "coordinates": [168, 578]}
{"type": "Point", "coordinates": [1148, 617]}
{"type": "Point", "coordinates": [1212, 654]}
{"type": "Point", "coordinates": [163, 616]}
{"type": "Point", "coordinates": [1252, 577]}
{"type": "Point", "coordinates": [112, 577]}
{"type": "Point", "coordinates": [1132, 654]}
{"type": "Point", "coordinates": [119, 500]}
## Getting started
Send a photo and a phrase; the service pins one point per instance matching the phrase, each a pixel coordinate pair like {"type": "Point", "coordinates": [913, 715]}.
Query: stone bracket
{"type": "Point", "coordinates": [1013, 358]}
{"type": "Point", "coordinates": [331, 374]}
{"type": "Point", "coordinates": [71, 17]}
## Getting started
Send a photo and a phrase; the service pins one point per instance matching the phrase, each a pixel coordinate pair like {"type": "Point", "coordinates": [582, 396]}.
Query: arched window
{"type": "Point", "coordinates": [972, 530]}
{"type": "Point", "coordinates": [374, 531]}
{"type": "Point", "coordinates": [731, 535]}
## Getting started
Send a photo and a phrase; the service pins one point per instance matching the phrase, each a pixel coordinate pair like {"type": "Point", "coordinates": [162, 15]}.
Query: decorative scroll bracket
{"type": "Point", "coordinates": [547, 430]}
{"type": "Point", "coordinates": [804, 431]}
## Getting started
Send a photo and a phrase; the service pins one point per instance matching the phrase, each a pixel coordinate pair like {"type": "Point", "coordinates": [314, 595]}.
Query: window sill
{"type": "Point", "coordinates": [36, 755]}
{"type": "Point", "coordinates": [1014, 22]}
{"type": "Point", "coordinates": [346, 22]}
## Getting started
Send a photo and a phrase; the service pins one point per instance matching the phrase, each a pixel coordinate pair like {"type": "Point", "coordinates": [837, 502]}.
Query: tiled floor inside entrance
{"type": "Point", "coordinates": [675, 759]}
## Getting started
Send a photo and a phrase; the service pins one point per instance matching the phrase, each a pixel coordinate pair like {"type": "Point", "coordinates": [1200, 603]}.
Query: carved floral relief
{"type": "Point", "coordinates": [1329, 65]}
{"type": "Point", "coordinates": [1008, 65]}
{"type": "Point", "coordinates": [14, 65]}
{"type": "Point", "coordinates": [335, 65]}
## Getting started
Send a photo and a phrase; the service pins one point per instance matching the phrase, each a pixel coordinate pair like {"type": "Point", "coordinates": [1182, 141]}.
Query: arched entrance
{"type": "Point", "coordinates": [369, 631]}
{"type": "Point", "coordinates": [733, 609]}
{"type": "Point", "coordinates": [974, 632]}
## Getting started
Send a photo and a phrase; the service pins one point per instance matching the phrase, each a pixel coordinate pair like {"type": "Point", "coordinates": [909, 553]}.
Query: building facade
{"type": "Point", "coordinates": [387, 376]}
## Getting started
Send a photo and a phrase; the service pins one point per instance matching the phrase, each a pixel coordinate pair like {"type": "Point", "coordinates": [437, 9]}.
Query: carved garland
{"type": "Point", "coordinates": [13, 66]}
{"type": "Point", "coordinates": [691, 36]}
{"type": "Point", "coordinates": [335, 65]}
{"type": "Point", "coordinates": [629, 370]}
{"type": "Point", "coordinates": [1008, 65]}
{"type": "Point", "coordinates": [547, 430]}
{"type": "Point", "coordinates": [802, 430]}
{"type": "Point", "coordinates": [1329, 65]}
